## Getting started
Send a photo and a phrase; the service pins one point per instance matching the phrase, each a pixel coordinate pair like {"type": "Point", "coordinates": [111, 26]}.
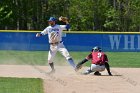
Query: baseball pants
{"type": "Point", "coordinates": [95, 68]}
{"type": "Point", "coordinates": [61, 48]}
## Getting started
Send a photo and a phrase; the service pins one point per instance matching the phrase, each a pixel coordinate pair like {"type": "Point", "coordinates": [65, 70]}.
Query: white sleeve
{"type": "Point", "coordinates": [63, 27]}
{"type": "Point", "coordinates": [45, 31]}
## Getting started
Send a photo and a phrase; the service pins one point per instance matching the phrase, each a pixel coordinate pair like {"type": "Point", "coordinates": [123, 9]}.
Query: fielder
{"type": "Point", "coordinates": [99, 62]}
{"type": "Point", "coordinates": [54, 32]}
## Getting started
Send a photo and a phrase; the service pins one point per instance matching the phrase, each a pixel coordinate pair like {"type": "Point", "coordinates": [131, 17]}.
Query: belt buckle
{"type": "Point", "coordinates": [53, 44]}
{"type": "Point", "coordinates": [100, 64]}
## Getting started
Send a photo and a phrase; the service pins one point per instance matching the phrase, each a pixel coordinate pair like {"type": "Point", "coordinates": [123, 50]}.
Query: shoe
{"type": "Point", "coordinates": [97, 73]}
{"type": "Point", "coordinates": [87, 72]}
{"type": "Point", "coordinates": [52, 72]}
{"type": "Point", "coordinates": [110, 74]}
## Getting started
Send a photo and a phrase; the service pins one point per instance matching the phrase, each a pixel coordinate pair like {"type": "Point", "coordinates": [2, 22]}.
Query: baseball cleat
{"type": "Point", "coordinates": [110, 74]}
{"type": "Point", "coordinates": [87, 72]}
{"type": "Point", "coordinates": [97, 73]}
{"type": "Point", "coordinates": [52, 72]}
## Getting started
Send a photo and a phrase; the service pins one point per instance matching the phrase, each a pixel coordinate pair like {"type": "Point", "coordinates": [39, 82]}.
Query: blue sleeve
{"type": "Point", "coordinates": [67, 26]}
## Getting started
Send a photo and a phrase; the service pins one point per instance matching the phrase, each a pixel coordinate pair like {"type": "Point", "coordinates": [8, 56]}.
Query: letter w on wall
{"type": "Point", "coordinates": [114, 41]}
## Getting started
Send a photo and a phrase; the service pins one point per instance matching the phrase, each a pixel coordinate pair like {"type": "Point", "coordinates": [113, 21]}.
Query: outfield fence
{"type": "Point", "coordinates": [74, 41]}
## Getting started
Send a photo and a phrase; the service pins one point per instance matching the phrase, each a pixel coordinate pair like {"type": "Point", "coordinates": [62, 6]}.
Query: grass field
{"type": "Point", "coordinates": [117, 59]}
{"type": "Point", "coordinates": [20, 85]}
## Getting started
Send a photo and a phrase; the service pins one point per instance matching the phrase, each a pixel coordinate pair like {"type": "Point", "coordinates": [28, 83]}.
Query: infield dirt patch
{"type": "Point", "coordinates": [65, 80]}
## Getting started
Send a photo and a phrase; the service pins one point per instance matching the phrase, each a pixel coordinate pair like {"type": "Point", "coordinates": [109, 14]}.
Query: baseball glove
{"type": "Point", "coordinates": [63, 19]}
{"type": "Point", "coordinates": [80, 64]}
{"type": "Point", "coordinates": [78, 67]}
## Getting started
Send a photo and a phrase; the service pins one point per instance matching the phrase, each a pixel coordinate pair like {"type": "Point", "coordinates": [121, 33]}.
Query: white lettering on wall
{"type": "Point", "coordinates": [129, 41]}
{"type": "Point", "coordinates": [115, 41]}
{"type": "Point", "coordinates": [126, 42]}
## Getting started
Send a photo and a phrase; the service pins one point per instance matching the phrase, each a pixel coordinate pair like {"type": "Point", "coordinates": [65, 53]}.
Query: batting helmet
{"type": "Point", "coordinates": [96, 48]}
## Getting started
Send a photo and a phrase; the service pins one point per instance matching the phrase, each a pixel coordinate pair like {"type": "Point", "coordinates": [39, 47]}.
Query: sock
{"type": "Point", "coordinates": [51, 65]}
{"type": "Point", "coordinates": [71, 62]}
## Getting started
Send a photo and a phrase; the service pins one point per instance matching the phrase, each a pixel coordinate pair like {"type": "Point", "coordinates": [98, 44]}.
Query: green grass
{"type": "Point", "coordinates": [21, 85]}
{"type": "Point", "coordinates": [23, 57]}
{"type": "Point", "coordinates": [116, 59]}
{"type": "Point", "coordinates": [124, 59]}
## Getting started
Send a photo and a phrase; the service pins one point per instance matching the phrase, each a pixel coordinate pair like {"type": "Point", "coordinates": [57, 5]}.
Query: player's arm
{"type": "Point", "coordinates": [86, 59]}
{"type": "Point", "coordinates": [38, 34]}
{"type": "Point", "coordinates": [67, 25]}
{"type": "Point", "coordinates": [79, 65]}
{"type": "Point", "coordinates": [44, 32]}
{"type": "Point", "coordinates": [65, 20]}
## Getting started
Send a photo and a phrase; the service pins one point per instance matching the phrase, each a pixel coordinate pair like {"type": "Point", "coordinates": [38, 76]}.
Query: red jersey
{"type": "Point", "coordinates": [97, 57]}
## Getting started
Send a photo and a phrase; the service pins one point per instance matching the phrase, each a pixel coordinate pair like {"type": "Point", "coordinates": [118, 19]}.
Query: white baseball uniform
{"type": "Point", "coordinates": [56, 44]}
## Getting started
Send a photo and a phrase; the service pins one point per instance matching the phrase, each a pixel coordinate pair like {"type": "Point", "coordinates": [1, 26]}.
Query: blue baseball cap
{"type": "Point", "coordinates": [52, 19]}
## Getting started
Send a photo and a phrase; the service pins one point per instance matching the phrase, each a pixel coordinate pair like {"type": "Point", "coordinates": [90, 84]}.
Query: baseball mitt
{"type": "Point", "coordinates": [63, 19]}
{"type": "Point", "coordinates": [78, 67]}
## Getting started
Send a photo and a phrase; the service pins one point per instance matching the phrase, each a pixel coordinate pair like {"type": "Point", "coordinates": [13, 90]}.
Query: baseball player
{"type": "Point", "coordinates": [99, 62]}
{"type": "Point", "coordinates": [54, 32]}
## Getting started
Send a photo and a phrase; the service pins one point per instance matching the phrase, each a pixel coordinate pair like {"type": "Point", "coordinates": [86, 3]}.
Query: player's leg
{"type": "Point", "coordinates": [51, 55]}
{"type": "Point", "coordinates": [97, 69]}
{"type": "Point", "coordinates": [88, 71]}
{"type": "Point", "coordinates": [108, 68]}
{"type": "Point", "coordinates": [66, 54]}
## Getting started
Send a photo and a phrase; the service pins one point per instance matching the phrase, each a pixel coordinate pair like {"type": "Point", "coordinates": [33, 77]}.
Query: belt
{"type": "Point", "coordinates": [99, 64]}
{"type": "Point", "coordinates": [56, 43]}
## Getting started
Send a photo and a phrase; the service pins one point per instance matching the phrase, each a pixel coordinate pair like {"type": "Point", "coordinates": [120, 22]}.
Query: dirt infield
{"type": "Point", "coordinates": [65, 80]}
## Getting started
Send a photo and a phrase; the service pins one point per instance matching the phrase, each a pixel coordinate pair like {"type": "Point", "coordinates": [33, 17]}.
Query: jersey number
{"type": "Point", "coordinates": [99, 55]}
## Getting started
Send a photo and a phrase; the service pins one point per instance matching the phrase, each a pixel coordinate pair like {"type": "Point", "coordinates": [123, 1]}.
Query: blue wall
{"type": "Point", "coordinates": [73, 41]}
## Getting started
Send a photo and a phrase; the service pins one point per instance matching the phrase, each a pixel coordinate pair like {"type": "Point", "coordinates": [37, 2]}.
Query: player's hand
{"type": "Point", "coordinates": [78, 66]}
{"type": "Point", "coordinates": [38, 35]}
{"type": "Point", "coordinates": [63, 19]}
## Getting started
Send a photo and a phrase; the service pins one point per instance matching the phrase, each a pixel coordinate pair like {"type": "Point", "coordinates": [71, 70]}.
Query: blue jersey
{"type": "Point", "coordinates": [54, 32]}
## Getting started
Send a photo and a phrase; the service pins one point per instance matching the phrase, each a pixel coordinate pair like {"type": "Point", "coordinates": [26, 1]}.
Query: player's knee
{"type": "Point", "coordinates": [69, 58]}
{"type": "Point", "coordinates": [49, 61]}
